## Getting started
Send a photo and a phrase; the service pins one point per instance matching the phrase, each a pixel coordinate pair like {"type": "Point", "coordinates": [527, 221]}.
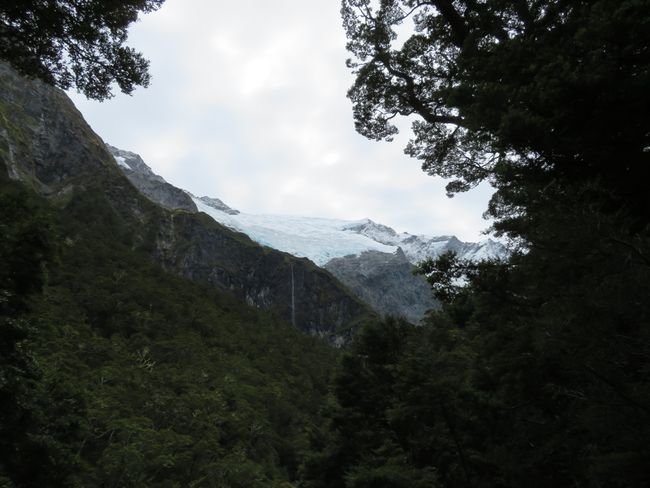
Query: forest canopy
{"type": "Point", "coordinates": [527, 95]}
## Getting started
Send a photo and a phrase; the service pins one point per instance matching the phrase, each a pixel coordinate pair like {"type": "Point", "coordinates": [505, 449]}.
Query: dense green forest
{"type": "Point", "coordinates": [116, 373]}
{"type": "Point", "coordinates": [535, 372]}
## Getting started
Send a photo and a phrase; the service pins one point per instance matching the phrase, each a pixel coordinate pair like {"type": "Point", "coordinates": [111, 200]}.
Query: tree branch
{"type": "Point", "coordinates": [412, 98]}
{"type": "Point", "coordinates": [458, 26]}
{"type": "Point", "coordinates": [415, 7]}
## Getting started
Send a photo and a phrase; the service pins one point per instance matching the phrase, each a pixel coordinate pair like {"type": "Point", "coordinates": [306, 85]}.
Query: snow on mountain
{"type": "Point", "coordinates": [317, 239]}
{"type": "Point", "coordinates": [372, 260]}
{"type": "Point", "coordinates": [419, 247]}
{"type": "Point", "coordinates": [217, 204]}
{"type": "Point", "coordinates": [322, 240]}
{"type": "Point", "coordinates": [122, 162]}
{"type": "Point", "coordinates": [133, 162]}
{"type": "Point", "coordinates": [149, 183]}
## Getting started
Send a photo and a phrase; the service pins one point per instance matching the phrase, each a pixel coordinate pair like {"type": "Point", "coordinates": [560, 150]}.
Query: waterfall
{"type": "Point", "coordinates": [293, 299]}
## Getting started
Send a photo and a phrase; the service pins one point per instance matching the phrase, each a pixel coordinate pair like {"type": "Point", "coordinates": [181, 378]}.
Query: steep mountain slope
{"type": "Point", "coordinates": [386, 282]}
{"type": "Point", "coordinates": [45, 143]}
{"type": "Point", "coordinates": [120, 374]}
{"type": "Point", "coordinates": [153, 186]}
{"type": "Point", "coordinates": [371, 259]}
{"type": "Point", "coordinates": [115, 372]}
{"type": "Point", "coordinates": [317, 239]}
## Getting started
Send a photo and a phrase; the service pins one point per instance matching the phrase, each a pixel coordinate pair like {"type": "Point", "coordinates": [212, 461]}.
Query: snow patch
{"type": "Point", "coordinates": [122, 162]}
{"type": "Point", "coordinates": [317, 239]}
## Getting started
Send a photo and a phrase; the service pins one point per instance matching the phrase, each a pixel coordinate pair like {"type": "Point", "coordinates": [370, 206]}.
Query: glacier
{"type": "Point", "coordinates": [317, 239]}
{"type": "Point", "coordinates": [322, 239]}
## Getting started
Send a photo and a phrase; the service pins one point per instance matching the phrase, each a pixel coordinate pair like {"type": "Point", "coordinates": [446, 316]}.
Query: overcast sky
{"type": "Point", "coordinates": [248, 104]}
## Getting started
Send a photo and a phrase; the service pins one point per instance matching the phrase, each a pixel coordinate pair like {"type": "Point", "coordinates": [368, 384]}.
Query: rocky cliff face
{"type": "Point", "coordinates": [43, 138]}
{"type": "Point", "coordinates": [219, 205]}
{"type": "Point", "coordinates": [419, 247]}
{"type": "Point", "coordinates": [152, 185]}
{"type": "Point", "coordinates": [386, 282]}
{"type": "Point", "coordinates": [45, 143]}
{"type": "Point", "coordinates": [307, 296]}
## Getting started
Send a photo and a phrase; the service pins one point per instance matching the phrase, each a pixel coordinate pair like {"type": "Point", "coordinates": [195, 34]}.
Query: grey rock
{"type": "Point", "coordinates": [379, 232]}
{"type": "Point", "coordinates": [150, 184]}
{"type": "Point", "coordinates": [420, 247]}
{"type": "Point", "coordinates": [43, 138]}
{"type": "Point", "coordinates": [386, 282]}
{"type": "Point", "coordinates": [219, 205]}
{"type": "Point", "coordinates": [197, 247]}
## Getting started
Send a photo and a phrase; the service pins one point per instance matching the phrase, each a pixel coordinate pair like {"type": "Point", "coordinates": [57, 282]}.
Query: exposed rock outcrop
{"type": "Point", "coordinates": [386, 282]}
{"type": "Point", "coordinates": [219, 205]}
{"type": "Point", "coordinates": [199, 248]}
{"type": "Point", "coordinates": [150, 184]}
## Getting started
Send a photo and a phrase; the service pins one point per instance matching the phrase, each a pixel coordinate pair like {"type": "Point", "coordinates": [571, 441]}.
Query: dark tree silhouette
{"type": "Point", "coordinates": [75, 43]}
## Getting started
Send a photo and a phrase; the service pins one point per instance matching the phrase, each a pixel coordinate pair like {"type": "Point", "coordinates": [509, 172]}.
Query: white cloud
{"type": "Point", "coordinates": [248, 104]}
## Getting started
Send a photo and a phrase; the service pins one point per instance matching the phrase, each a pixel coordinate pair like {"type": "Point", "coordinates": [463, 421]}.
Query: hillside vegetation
{"type": "Point", "coordinates": [116, 373]}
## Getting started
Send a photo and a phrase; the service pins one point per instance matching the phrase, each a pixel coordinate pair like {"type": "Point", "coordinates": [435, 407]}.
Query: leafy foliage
{"type": "Point", "coordinates": [483, 396]}
{"type": "Point", "coordinates": [536, 371]}
{"type": "Point", "coordinates": [27, 412]}
{"type": "Point", "coordinates": [72, 43]}
{"type": "Point", "coordinates": [521, 94]}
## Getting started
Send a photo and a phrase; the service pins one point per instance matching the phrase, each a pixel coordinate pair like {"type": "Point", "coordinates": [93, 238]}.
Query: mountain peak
{"type": "Point", "coordinates": [153, 186]}
{"type": "Point", "coordinates": [378, 232]}
{"type": "Point", "coordinates": [130, 161]}
{"type": "Point", "coordinates": [218, 205]}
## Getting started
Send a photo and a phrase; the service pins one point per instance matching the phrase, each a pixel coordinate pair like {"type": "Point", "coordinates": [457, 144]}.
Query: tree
{"type": "Point", "coordinates": [362, 448]}
{"type": "Point", "coordinates": [75, 43]}
{"type": "Point", "coordinates": [546, 101]}
{"type": "Point", "coordinates": [29, 406]}
{"type": "Point", "coordinates": [522, 94]}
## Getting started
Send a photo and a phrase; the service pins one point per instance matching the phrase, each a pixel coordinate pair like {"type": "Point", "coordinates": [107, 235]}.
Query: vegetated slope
{"type": "Point", "coordinates": [116, 372]}
{"type": "Point", "coordinates": [121, 374]}
{"type": "Point", "coordinates": [46, 144]}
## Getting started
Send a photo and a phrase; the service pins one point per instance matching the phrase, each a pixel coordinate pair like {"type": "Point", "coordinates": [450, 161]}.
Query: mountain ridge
{"type": "Point", "coordinates": [371, 259]}
{"type": "Point", "coordinates": [321, 239]}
